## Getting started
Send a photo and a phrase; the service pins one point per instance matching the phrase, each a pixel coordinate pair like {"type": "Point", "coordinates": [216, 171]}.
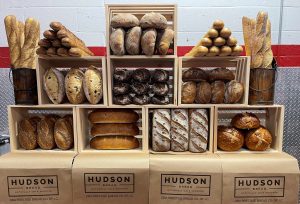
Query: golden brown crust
{"type": "Point", "coordinates": [188, 93]}
{"type": "Point", "coordinates": [113, 116]}
{"type": "Point", "coordinates": [45, 136]}
{"type": "Point", "coordinates": [27, 133]}
{"type": "Point", "coordinates": [218, 92]}
{"type": "Point", "coordinates": [63, 132]}
{"type": "Point", "coordinates": [50, 34]}
{"type": "Point", "coordinates": [106, 129]}
{"type": "Point", "coordinates": [114, 142]}
{"type": "Point", "coordinates": [229, 138]}
{"type": "Point", "coordinates": [259, 139]}
{"type": "Point", "coordinates": [203, 92]}
{"type": "Point", "coordinates": [234, 92]}
{"type": "Point", "coordinates": [222, 74]}
{"type": "Point", "coordinates": [245, 121]}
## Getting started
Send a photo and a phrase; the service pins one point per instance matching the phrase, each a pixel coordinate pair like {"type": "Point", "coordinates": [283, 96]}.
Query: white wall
{"type": "Point", "coordinates": [87, 17]}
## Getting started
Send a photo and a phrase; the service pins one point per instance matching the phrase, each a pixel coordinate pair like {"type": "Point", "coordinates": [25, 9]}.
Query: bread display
{"type": "Point", "coordinates": [217, 92]}
{"type": "Point", "coordinates": [124, 20]}
{"type": "Point", "coordinates": [113, 116]}
{"type": "Point", "coordinates": [45, 133]}
{"type": "Point", "coordinates": [198, 130]}
{"type": "Point", "coordinates": [245, 121]}
{"type": "Point", "coordinates": [161, 127]}
{"type": "Point", "coordinates": [188, 93]}
{"type": "Point", "coordinates": [203, 92]}
{"type": "Point", "coordinates": [179, 130]}
{"type": "Point", "coordinates": [74, 86]}
{"type": "Point", "coordinates": [114, 143]}
{"type": "Point", "coordinates": [133, 40]}
{"type": "Point", "coordinates": [27, 133]}
{"type": "Point", "coordinates": [63, 133]}
{"type": "Point", "coordinates": [230, 138]}
{"type": "Point", "coordinates": [234, 92]}
{"type": "Point", "coordinates": [216, 42]}
{"type": "Point", "coordinates": [111, 129]}
{"type": "Point", "coordinates": [93, 85]}
{"type": "Point", "coordinates": [54, 85]}
{"type": "Point", "coordinates": [259, 139]}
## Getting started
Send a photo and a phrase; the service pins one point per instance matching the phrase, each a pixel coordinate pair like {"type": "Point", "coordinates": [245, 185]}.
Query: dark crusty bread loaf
{"type": "Point", "coordinates": [113, 116]}
{"type": "Point", "coordinates": [245, 121]}
{"type": "Point", "coordinates": [194, 74]}
{"type": "Point", "coordinates": [114, 142]}
{"type": "Point", "coordinates": [222, 74]}
{"type": "Point", "coordinates": [217, 92]}
{"type": "Point", "coordinates": [229, 138]}
{"type": "Point", "coordinates": [106, 129]}
{"type": "Point", "coordinates": [203, 92]}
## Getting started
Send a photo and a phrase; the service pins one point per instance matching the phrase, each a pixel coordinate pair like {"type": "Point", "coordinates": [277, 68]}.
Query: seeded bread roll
{"type": "Point", "coordinates": [217, 92]}
{"type": "Point", "coordinates": [124, 20]}
{"type": "Point", "coordinates": [188, 93]}
{"type": "Point", "coordinates": [148, 41]}
{"type": "Point", "coordinates": [164, 40]}
{"type": "Point", "coordinates": [161, 126]}
{"type": "Point", "coordinates": [160, 89]}
{"type": "Point", "coordinates": [203, 92]}
{"type": "Point", "coordinates": [63, 133]}
{"type": "Point", "coordinates": [27, 133]}
{"type": "Point", "coordinates": [198, 130]}
{"type": "Point", "coordinates": [179, 130]}
{"type": "Point", "coordinates": [114, 142]}
{"type": "Point", "coordinates": [229, 138]}
{"type": "Point", "coordinates": [133, 40]}
{"type": "Point", "coordinates": [245, 121]}
{"type": "Point", "coordinates": [111, 129]}
{"type": "Point", "coordinates": [153, 20]}
{"type": "Point", "coordinates": [92, 85]}
{"type": "Point", "coordinates": [74, 86]}
{"type": "Point", "coordinates": [113, 116]}
{"type": "Point", "coordinates": [194, 74]}
{"type": "Point", "coordinates": [259, 139]}
{"type": "Point", "coordinates": [45, 136]}
{"type": "Point", "coordinates": [54, 85]}
{"type": "Point", "coordinates": [117, 41]}
{"type": "Point", "coordinates": [234, 92]}
{"type": "Point", "coordinates": [121, 88]}
{"type": "Point", "coordinates": [160, 75]}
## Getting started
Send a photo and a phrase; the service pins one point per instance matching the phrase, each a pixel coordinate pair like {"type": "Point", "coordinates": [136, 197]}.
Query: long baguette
{"type": "Point", "coordinates": [21, 33]}
{"type": "Point", "coordinates": [246, 32]}
{"type": "Point", "coordinates": [267, 49]}
{"type": "Point", "coordinates": [63, 52]}
{"type": "Point", "coordinates": [50, 34]}
{"type": "Point", "coordinates": [73, 43]}
{"type": "Point", "coordinates": [261, 26]}
{"type": "Point", "coordinates": [44, 43]}
{"type": "Point", "coordinates": [77, 52]}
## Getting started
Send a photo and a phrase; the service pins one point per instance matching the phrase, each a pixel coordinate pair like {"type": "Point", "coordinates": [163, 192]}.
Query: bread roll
{"type": "Point", "coordinates": [141, 99]}
{"type": "Point", "coordinates": [219, 41]}
{"type": "Point", "coordinates": [50, 34]}
{"type": "Point", "coordinates": [113, 116]}
{"type": "Point", "coordinates": [217, 92]}
{"type": "Point", "coordinates": [63, 52]}
{"type": "Point", "coordinates": [225, 33]}
{"type": "Point", "coordinates": [164, 40]}
{"type": "Point", "coordinates": [231, 41]}
{"type": "Point", "coordinates": [161, 126]}
{"type": "Point", "coordinates": [188, 93]}
{"type": "Point", "coordinates": [160, 89]}
{"type": "Point", "coordinates": [74, 86]}
{"type": "Point", "coordinates": [221, 74]}
{"type": "Point", "coordinates": [153, 20]}
{"type": "Point", "coordinates": [259, 139]}
{"type": "Point", "coordinates": [45, 130]}
{"type": "Point", "coordinates": [198, 130]}
{"type": "Point", "coordinates": [117, 41]}
{"type": "Point", "coordinates": [63, 133]}
{"type": "Point", "coordinates": [27, 133]}
{"type": "Point", "coordinates": [229, 138]}
{"type": "Point", "coordinates": [225, 51]}
{"type": "Point", "coordinates": [160, 75]}
{"type": "Point", "coordinates": [148, 41]}
{"type": "Point", "coordinates": [122, 75]}
{"type": "Point", "coordinates": [194, 74]}
{"type": "Point", "coordinates": [179, 130]}
{"type": "Point", "coordinates": [206, 42]}
{"type": "Point", "coordinates": [111, 129]}
{"type": "Point", "coordinates": [52, 52]}
{"type": "Point", "coordinates": [124, 99]}
{"type": "Point", "coordinates": [54, 85]}
{"type": "Point", "coordinates": [245, 121]}
{"type": "Point", "coordinates": [213, 51]}
{"type": "Point", "coordinates": [124, 20]}
{"type": "Point", "coordinates": [92, 85]}
{"type": "Point", "coordinates": [114, 142]}
{"type": "Point", "coordinates": [41, 51]}
{"type": "Point", "coordinates": [203, 93]}
{"type": "Point", "coordinates": [234, 92]}
{"type": "Point", "coordinates": [44, 43]}
{"type": "Point", "coordinates": [121, 88]}
{"type": "Point", "coordinates": [160, 100]}
{"type": "Point", "coordinates": [237, 50]}
{"type": "Point", "coordinates": [133, 40]}
{"type": "Point", "coordinates": [218, 24]}
{"type": "Point", "coordinates": [141, 75]}
{"type": "Point", "coordinates": [212, 33]}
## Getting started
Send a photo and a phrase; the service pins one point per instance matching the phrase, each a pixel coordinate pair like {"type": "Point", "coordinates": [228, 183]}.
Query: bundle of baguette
{"type": "Point", "coordinates": [59, 41]}
{"type": "Point", "coordinates": [22, 40]}
{"type": "Point", "coordinates": [130, 35]}
{"type": "Point", "coordinates": [77, 85]}
{"type": "Point", "coordinates": [216, 42]}
{"type": "Point", "coordinates": [114, 129]}
{"type": "Point", "coordinates": [257, 37]}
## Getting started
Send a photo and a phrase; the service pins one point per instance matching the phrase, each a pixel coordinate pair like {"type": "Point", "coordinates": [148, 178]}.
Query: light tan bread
{"type": "Point", "coordinates": [148, 41]}
{"type": "Point", "coordinates": [117, 41]}
{"type": "Point", "coordinates": [114, 142]}
{"type": "Point", "coordinates": [133, 40]}
{"type": "Point", "coordinates": [74, 86]}
{"type": "Point", "coordinates": [124, 20]}
{"type": "Point", "coordinates": [45, 133]}
{"type": "Point", "coordinates": [153, 20]}
{"type": "Point", "coordinates": [77, 52]}
{"type": "Point", "coordinates": [54, 85]}
{"type": "Point", "coordinates": [63, 52]}
{"type": "Point", "coordinates": [93, 85]}
{"type": "Point", "coordinates": [113, 116]}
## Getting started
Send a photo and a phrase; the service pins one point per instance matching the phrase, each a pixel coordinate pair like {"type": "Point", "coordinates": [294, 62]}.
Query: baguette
{"type": "Point", "coordinates": [56, 26]}
{"type": "Point", "coordinates": [63, 52]}
{"type": "Point", "coordinates": [267, 49]}
{"type": "Point", "coordinates": [52, 52]}
{"type": "Point", "coordinates": [247, 34]}
{"type": "Point", "coordinates": [77, 52]}
{"type": "Point", "coordinates": [56, 43]}
{"type": "Point", "coordinates": [50, 34]}
{"type": "Point", "coordinates": [41, 51]}
{"type": "Point", "coordinates": [21, 33]}
{"type": "Point", "coordinates": [44, 43]}
{"type": "Point", "coordinates": [74, 42]}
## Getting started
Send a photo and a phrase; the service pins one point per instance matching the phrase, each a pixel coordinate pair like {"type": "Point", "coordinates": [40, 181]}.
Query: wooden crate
{"type": "Point", "coordinates": [271, 117]}
{"type": "Point", "coordinates": [18, 112]}
{"type": "Point", "coordinates": [139, 10]}
{"type": "Point", "coordinates": [149, 114]}
{"type": "Point", "coordinates": [151, 63]}
{"type": "Point", "coordinates": [84, 126]}
{"type": "Point", "coordinates": [64, 64]}
{"type": "Point", "coordinates": [239, 65]}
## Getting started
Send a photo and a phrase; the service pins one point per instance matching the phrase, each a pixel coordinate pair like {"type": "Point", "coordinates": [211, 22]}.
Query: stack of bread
{"type": "Point", "coordinates": [130, 35]}
{"type": "Point", "coordinates": [245, 130]}
{"type": "Point", "coordinates": [78, 86]}
{"type": "Point", "coordinates": [22, 40]}
{"type": "Point", "coordinates": [114, 129]}
{"type": "Point", "coordinates": [216, 42]}
{"type": "Point", "coordinates": [180, 130]}
{"type": "Point", "coordinates": [257, 38]}
{"type": "Point", "coordinates": [59, 41]}
{"type": "Point", "coordinates": [46, 132]}
{"type": "Point", "coordinates": [215, 86]}
{"type": "Point", "coordinates": [141, 87]}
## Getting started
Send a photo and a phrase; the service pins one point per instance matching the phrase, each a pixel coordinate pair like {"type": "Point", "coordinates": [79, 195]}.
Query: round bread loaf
{"type": "Point", "coordinates": [222, 74]}
{"type": "Point", "coordinates": [45, 130]}
{"type": "Point", "coordinates": [212, 33]}
{"type": "Point", "coordinates": [63, 133]}
{"type": "Point", "coordinates": [110, 129]}
{"type": "Point", "coordinates": [54, 85]}
{"type": "Point", "coordinates": [207, 42]}
{"type": "Point", "coordinates": [213, 51]}
{"type": "Point", "coordinates": [188, 93]}
{"type": "Point", "coordinates": [160, 75]}
{"type": "Point", "coordinates": [259, 139]}
{"type": "Point", "coordinates": [153, 20]}
{"type": "Point", "coordinates": [160, 100]}
{"type": "Point", "coordinates": [234, 92]}
{"type": "Point", "coordinates": [141, 75]}
{"type": "Point", "coordinates": [124, 99]}
{"type": "Point", "coordinates": [124, 20]}
{"type": "Point", "coordinates": [122, 75]}
{"type": "Point", "coordinates": [139, 88]}
{"type": "Point", "coordinates": [194, 74]}
{"type": "Point", "coordinates": [229, 138]}
{"type": "Point", "coordinates": [217, 92]}
{"type": "Point", "coordinates": [219, 41]}
{"type": "Point", "coordinates": [121, 88]}
{"type": "Point", "coordinates": [74, 86]}
{"type": "Point", "coordinates": [203, 92]}
{"type": "Point", "coordinates": [141, 99]}
{"type": "Point", "coordinates": [225, 33]}
{"type": "Point", "coordinates": [218, 24]}
{"type": "Point", "coordinates": [114, 142]}
{"type": "Point", "coordinates": [27, 133]}
{"type": "Point", "coordinates": [133, 40]}
{"type": "Point", "coordinates": [245, 121]}
{"type": "Point", "coordinates": [113, 115]}
{"type": "Point", "coordinates": [160, 89]}
{"type": "Point", "coordinates": [92, 85]}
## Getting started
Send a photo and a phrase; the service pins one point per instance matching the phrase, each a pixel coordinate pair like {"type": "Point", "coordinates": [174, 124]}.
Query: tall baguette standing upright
{"type": "Point", "coordinates": [268, 54]}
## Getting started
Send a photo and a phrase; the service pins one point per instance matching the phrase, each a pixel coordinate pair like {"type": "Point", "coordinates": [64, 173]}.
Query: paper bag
{"type": "Point", "coordinates": [113, 179]}
{"type": "Point", "coordinates": [260, 178]}
{"type": "Point", "coordinates": [190, 179]}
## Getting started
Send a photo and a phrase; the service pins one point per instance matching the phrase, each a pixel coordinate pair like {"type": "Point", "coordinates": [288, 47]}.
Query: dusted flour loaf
{"type": "Point", "coordinates": [161, 130]}
{"type": "Point", "coordinates": [92, 85]}
{"type": "Point", "coordinates": [54, 85]}
{"type": "Point", "coordinates": [198, 130]}
{"type": "Point", "coordinates": [179, 130]}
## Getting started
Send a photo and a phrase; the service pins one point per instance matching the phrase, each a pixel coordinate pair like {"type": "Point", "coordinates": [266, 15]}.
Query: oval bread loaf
{"type": "Point", "coordinates": [92, 85]}
{"type": "Point", "coordinates": [148, 41]}
{"type": "Point", "coordinates": [133, 40]}
{"type": "Point", "coordinates": [117, 41]}
{"type": "Point", "coordinates": [114, 142]}
{"type": "Point", "coordinates": [54, 85]}
{"type": "Point", "coordinates": [124, 20]}
{"type": "Point", "coordinates": [74, 86]}
{"type": "Point", "coordinates": [111, 129]}
{"type": "Point", "coordinates": [27, 133]}
{"type": "Point", "coordinates": [188, 93]}
{"type": "Point", "coordinates": [234, 92]}
{"type": "Point", "coordinates": [203, 92]}
{"type": "Point", "coordinates": [63, 133]}
{"type": "Point", "coordinates": [154, 20]}
{"type": "Point", "coordinates": [45, 136]}
{"type": "Point", "coordinates": [113, 116]}
{"type": "Point", "coordinates": [164, 41]}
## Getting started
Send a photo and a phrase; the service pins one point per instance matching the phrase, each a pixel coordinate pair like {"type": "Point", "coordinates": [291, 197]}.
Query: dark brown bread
{"type": "Point", "coordinates": [194, 74]}
{"type": "Point", "coordinates": [218, 92]}
{"type": "Point", "coordinates": [203, 92]}
{"type": "Point", "coordinates": [114, 142]}
{"type": "Point", "coordinates": [259, 139]}
{"type": "Point", "coordinates": [245, 121]}
{"type": "Point", "coordinates": [113, 116]}
{"type": "Point", "coordinates": [229, 138]}
{"type": "Point", "coordinates": [222, 74]}
{"type": "Point", "coordinates": [188, 93]}
{"type": "Point", "coordinates": [112, 129]}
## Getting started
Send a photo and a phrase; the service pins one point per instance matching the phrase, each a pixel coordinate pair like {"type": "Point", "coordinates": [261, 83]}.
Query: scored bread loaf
{"type": "Point", "coordinates": [54, 85]}
{"type": "Point", "coordinates": [229, 138]}
{"type": "Point", "coordinates": [148, 41]}
{"type": "Point", "coordinates": [198, 130]}
{"type": "Point", "coordinates": [111, 129]}
{"type": "Point", "coordinates": [133, 40]}
{"type": "Point", "coordinates": [113, 116]}
{"type": "Point", "coordinates": [164, 40]}
{"type": "Point", "coordinates": [161, 126]}
{"type": "Point", "coordinates": [117, 41]}
{"type": "Point", "coordinates": [259, 139]}
{"type": "Point", "coordinates": [203, 92]}
{"type": "Point", "coordinates": [92, 85]}
{"type": "Point", "coordinates": [63, 132]}
{"type": "Point", "coordinates": [245, 121]}
{"type": "Point", "coordinates": [45, 133]}
{"type": "Point", "coordinates": [114, 142]}
{"type": "Point", "coordinates": [27, 133]}
{"type": "Point", "coordinates": [234, 92]}
{"type": "Point", "coordinates": [179, 130]}
{"type": "Point", "coordinates": [74, 86]}
{"type": "Point", "coordinates": [217, 92]}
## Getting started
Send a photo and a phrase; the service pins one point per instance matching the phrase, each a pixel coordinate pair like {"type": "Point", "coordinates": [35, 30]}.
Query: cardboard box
{"type": "Point", "coordinates": [180, 179]}
{"type": "Point", "coordinates": [110, 178]}
{"type": "Point", "coordinates": [36, 178]}
{"type": "Point", "coordinates": [260, 178]}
